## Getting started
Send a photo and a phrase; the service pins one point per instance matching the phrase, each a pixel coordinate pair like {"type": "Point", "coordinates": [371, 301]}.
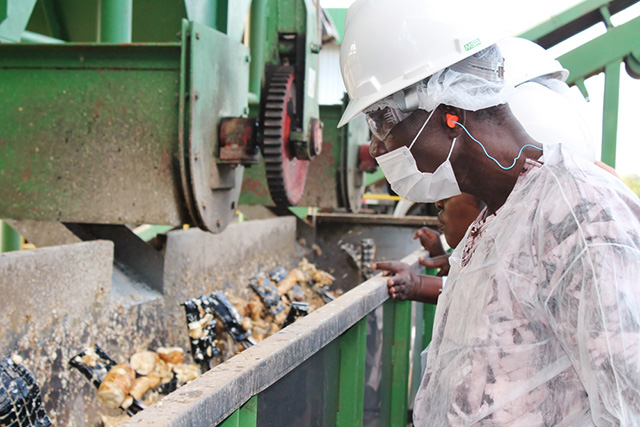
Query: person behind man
{"type": "Point", "coordinates": [455, 215]}
{"type": "Point", "coordinates": [539, 323]}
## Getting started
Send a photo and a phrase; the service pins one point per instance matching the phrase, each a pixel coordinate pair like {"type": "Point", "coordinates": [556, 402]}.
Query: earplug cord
{"type": "Point", "coordinates": [492, 158]}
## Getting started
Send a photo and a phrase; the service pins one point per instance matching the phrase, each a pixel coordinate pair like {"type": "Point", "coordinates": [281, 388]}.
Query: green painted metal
{"type": "Point", "coordinates": [218, 80]}
{"type": "Point", "coordinates": [29, 37]}
{"type": "Point", "coordinates": [322, 176]}
{"type": "Point", "coordinates": [51, 17]}
{"type": "Point", "coordinates": [331, 383]}
{"type": "Point", "coordinates": [428, 315]}
{"type": "Point", "coordinates": [338, 17]}
{"type": "Point", "coordinates": [84, 120]}
{"type": "Point", "coordinates": [14, 16]}
{"type": "Point", "coordinates": [222, 16]}
{"type": "Point", "coordinates": [202, 11]}
{"type": "Point", "coordinates": [4, 9]}
{"type": "Point", "coordinates": [610, 113]}
{"type": "Point", "coordinates": [592, 57]}
{"type": "Point", "coordinates": [388, 314]}
{"type": "Point", "coordinates": [245, 416]}
{"type": "Point", "coordinates": [400, 363]}
{"type": "Point", "coordinates": [10, 240]}
{"type": "Point", "coordinates": [152, 231]}
{"type": "Point", "coordinates": [374, 177]}
{"type": "Point", "coordinates": [115, 21]}
{"type": "Point", "coordinates": [563, 19]}
{"type": "Point", "coordinates": [78, 20]}
{"type": "Point", "coordinates": [257, 35]}
{"type": "Point", "coordinates": [353, 345]}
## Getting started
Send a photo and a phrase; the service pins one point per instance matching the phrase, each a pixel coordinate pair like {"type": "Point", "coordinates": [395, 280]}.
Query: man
{"type": "Point", "coordinates": [539, 322]}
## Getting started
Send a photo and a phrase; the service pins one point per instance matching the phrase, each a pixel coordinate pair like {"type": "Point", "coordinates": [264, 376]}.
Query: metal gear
{"type": "Point", "coordinates": [286, 174]}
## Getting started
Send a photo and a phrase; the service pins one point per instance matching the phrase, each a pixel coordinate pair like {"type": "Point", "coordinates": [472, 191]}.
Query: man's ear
{"type": "Point", "coordinates": [451, 119]}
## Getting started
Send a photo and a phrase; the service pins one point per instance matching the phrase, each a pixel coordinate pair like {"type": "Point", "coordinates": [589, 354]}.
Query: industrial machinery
{"type": "Point", "coordinates": [159, 131]}
{"type": "Point", "coordinates": [116, 113]}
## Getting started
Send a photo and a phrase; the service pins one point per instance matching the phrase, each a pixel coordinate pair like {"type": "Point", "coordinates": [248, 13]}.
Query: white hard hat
{"type": "Point", "coordinates": [553, 118]}
{"type": "Point", "coordinates": [525, 60]}
{"type": "Point", "coordinates": [391, 44]}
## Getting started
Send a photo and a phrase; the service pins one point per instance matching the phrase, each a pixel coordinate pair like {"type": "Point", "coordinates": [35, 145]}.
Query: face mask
{"type": "Point", "coordinates": [408, 182]}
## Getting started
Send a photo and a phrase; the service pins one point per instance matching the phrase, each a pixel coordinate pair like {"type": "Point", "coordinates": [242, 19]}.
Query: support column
{"type": "Point", "coordinates": [115, 21]}
{"type": "Point", "coordinates": [610, 113]}
{"type": "Point", "coordinates": [10, 240]}
{"type": "Point", "coordinates": [353, 348]}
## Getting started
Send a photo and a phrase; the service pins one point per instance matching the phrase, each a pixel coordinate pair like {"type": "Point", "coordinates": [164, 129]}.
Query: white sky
{"type": "Point", "coordinates": [628, 146]}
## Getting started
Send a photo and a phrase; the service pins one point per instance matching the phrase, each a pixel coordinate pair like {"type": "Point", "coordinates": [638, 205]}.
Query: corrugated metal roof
{"type": "Point", "coordinates": [330, 86]}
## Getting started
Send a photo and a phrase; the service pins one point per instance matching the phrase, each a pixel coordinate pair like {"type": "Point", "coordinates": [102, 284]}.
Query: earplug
{"type": "Point", "coordinates": [452, 119]}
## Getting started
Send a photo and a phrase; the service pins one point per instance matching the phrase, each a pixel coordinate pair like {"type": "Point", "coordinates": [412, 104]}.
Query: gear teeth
{"type": "Point", "coordinates": [278, 91]}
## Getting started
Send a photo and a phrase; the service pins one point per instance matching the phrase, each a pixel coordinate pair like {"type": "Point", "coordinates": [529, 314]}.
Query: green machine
{"type": "Point", "coordinates": [152, 111]}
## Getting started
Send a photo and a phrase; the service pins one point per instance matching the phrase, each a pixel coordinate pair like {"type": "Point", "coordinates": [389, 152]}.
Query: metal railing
{"type": "Point", "coordinates": [335, 336]}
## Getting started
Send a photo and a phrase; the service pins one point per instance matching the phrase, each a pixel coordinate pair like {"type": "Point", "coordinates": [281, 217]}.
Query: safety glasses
{"type": "Point", "coordinates": [383, 120]}
{"type": "Point", "coordinates": [388, 112]}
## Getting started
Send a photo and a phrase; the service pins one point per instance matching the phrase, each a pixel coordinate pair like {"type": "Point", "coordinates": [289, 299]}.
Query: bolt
{"type": "Point", "coordinates": [247, 58]}
{"type": "Point", "coordinates": [198, 35]}
{"type": "Point", "coordinates": [196, 94]}
{"type": "Point", "coordinates": [218, 223]}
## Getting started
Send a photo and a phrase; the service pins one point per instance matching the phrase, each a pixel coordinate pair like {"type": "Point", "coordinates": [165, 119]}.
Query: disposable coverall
{"type": "Point", "coordinates": [539, 323]}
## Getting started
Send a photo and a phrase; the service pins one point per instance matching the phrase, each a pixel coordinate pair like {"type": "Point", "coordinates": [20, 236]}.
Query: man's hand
{"type": "Point", "coordinates": [404, 282]}
{"type": "Point", "coordinates": [441, 262]}
{"type": "Point", "coordinates": [430, 240]}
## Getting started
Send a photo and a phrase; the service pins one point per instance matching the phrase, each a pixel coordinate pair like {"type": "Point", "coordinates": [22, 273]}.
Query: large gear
{"type": "Point", "coordinates": [286, 174]}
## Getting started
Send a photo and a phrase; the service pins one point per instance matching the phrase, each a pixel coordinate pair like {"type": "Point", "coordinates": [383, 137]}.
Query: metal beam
{"type": "Point", "coordinates": [573, 21]}
{"type": "Point", "coordinates": [565, 18]}
{"type": "Point", "coordinates": [52, 17]}
{"type": "Point", "coordinates": [115, 21]}
{"type": "Point", "coordinates": [10, 240]}
{"type": "Point", "coordinates": [610, 113]}
{"type": "Point", "coordinates": [592, 57]}
{"type": "Point", "coordinates": [29, 37]}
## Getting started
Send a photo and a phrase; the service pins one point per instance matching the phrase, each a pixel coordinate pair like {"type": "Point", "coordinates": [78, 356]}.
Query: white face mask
{"type": "Point", "coordinates": [401, 170]}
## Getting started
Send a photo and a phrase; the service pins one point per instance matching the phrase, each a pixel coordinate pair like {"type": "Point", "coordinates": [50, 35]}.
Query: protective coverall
{"type": "Point", "coordinates": [539, 323]}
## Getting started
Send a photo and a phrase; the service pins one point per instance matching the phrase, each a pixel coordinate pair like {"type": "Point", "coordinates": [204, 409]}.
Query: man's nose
{"type": "Point", "coordinates": [376, 147]}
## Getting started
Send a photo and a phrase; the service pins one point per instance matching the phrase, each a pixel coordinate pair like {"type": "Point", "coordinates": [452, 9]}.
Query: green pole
{"type": "Point", "coordinates": [400, 353]}
{"type": "Point", "coordinates": [257, 36]}
{"type": "Point", "coordinates": [353, 348]}
{"type": "Point", "coordinates": [245, 416]}
{"type": "Point", "coordinates": [9, 239]}
{"type": "Point", "coordinates": [115, 21]}
{"type": "Point", "coordinates": [610, 112]}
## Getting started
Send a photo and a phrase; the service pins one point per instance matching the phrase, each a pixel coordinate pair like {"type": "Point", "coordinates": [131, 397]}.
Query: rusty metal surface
{"type": "Point", "coordinates": [238, 144]}
{"type": "Point", "coordinates": [219, 72]}
{"type": "Point", "coordinates": [60, 300]}
{"type": "Point", "coordinates": [91, 134]}
{"type": "Point", "coordinates": [209, 399]}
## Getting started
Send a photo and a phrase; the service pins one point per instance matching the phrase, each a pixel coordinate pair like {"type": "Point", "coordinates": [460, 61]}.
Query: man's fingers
{"type": "Point", "coordinates": [392, 266]}
{"type": "Point", "coordinates": [436, 262]}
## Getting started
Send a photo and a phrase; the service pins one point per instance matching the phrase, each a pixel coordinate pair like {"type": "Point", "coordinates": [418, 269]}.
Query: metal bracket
{"type": "Point", "coordinates": [238, 141]}
{"type": "Point", "coordinates": [131, 253]}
